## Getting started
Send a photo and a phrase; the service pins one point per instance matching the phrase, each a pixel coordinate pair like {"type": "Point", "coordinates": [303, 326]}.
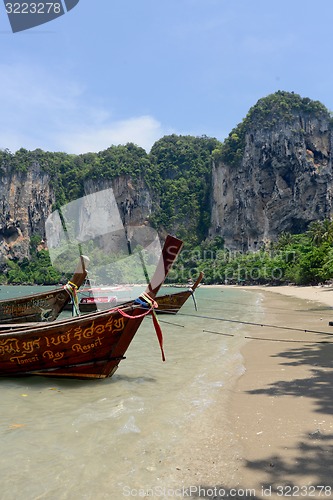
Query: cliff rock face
{"type": "Point", "coordinates": [283, 181]}
{"type": "Point", "coordinates": [26, 200]}
{"type": "Point", "coordinates": [133, 199]}
{"type": "Point", "coordinates": [129, 207]}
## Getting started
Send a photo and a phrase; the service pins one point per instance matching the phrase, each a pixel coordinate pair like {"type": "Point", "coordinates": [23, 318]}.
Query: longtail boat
{"type": "Point", "coordinates": [45, 306]}
{"type": "Point", "coordinates": [169, 303]}
{"type": "Point", "coordinates": [91, 299]}
{"type": "Point", "coordinates": [89, 346]}
{"type": "Point", "coordinates": [172, 302]}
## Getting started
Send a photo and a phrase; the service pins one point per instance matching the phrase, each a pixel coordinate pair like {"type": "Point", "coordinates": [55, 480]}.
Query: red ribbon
{"type": "Point", "coordinates": [156, 323]}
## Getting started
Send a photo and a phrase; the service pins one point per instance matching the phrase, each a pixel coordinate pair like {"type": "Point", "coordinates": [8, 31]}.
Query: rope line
{"type": "Point", "coordinates": [272, 340]}
{"type": "Point", "coordinates": [252, 323]}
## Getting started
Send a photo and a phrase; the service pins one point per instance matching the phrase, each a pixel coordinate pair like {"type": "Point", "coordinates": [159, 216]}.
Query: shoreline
{"type": "Point", "coordinates": [269, 434]}
{"type": "Point", "coordinates": [281, 408]}
{"type": "Point", "coordinates": [318, 293]}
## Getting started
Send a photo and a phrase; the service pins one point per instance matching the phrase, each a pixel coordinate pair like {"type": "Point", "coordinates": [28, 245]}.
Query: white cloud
{"type": "Point", "coordinates": [39, 110]}
{"type": "Point", "coordinates": [142, 130]}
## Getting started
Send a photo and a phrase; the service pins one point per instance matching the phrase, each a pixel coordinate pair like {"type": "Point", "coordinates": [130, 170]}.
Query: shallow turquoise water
{"type": "Point", "coordinates": [63, 439]}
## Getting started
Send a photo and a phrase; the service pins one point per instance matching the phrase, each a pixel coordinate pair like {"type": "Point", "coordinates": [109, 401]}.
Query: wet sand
{"type": "Point", "coordinates": [282, 407]}
{"type": "Point", "coordinates": [270, 435]}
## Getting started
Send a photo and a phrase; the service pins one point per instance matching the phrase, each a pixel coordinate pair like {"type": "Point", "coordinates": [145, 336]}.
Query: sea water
{"type": "Point", "coordinates": [110, 439]}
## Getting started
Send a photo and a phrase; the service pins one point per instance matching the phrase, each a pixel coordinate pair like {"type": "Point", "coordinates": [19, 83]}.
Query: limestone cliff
{"type": "Point", "coordinates": [133, 198]}
{"type": "Point", "coordinates": [274, 173]}
{"type": "Point", "coordinates": [26, 200]}
{"type": "Point", "coordinates": [28, 196]}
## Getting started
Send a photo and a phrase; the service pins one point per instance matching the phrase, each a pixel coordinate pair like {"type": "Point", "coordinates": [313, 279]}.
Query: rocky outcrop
{"type": "Point", "coordinates": [283, 181]}
{"type": "Point", "coordinates": [126, 205]}
{"type": "Point", "coordinates": [132, 197]}
{"type": "Point", "coordinates": [26, 199]}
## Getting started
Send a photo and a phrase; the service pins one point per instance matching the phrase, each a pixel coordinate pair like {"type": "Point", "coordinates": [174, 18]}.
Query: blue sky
{"type": "Point", "coordinates": [117, 71]}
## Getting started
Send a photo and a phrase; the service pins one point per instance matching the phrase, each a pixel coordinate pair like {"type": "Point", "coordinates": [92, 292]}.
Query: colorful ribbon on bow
{"type": "Point", "coordinates": [146, 301]}
{"type": "Point", "coordinates": [71, 288]}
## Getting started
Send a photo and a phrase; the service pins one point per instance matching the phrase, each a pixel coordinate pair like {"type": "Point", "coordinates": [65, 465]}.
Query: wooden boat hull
{"type": "Point", "coordinates": [171, 303]}
{"type": "Point", "coordinates": [88, 346]}
{"type": "Point", "coordinates": [74, 347]}
{"type": "Point", "coordinates": [44, 306]}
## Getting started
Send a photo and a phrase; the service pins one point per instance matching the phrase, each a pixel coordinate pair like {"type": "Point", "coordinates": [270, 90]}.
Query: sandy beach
{"type": "Point", "coordinates": [282, 406]}
{"type": "Point", "coordinates": [271, 433]}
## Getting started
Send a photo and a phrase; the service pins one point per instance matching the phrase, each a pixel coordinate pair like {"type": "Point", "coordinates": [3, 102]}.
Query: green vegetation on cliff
{"type": "Point", "coordinates": [265, 114]}
{"type": "Point", "coordinates": [68, 171]}
{"type": "Point", "coordinates": [301, 259]}
{"type": "Point", "coordinates": [36, 270]}
{"type": "Point", "coordinates": [182, 183]}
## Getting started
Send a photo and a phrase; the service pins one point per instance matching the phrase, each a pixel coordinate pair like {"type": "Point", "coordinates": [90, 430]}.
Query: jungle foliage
{"type": "Point", "coordinates": [182, 183]}
{"type": "Point", "coordinates": [301, 259]}
{"type": "Point", "coordinates": [37, 270]}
